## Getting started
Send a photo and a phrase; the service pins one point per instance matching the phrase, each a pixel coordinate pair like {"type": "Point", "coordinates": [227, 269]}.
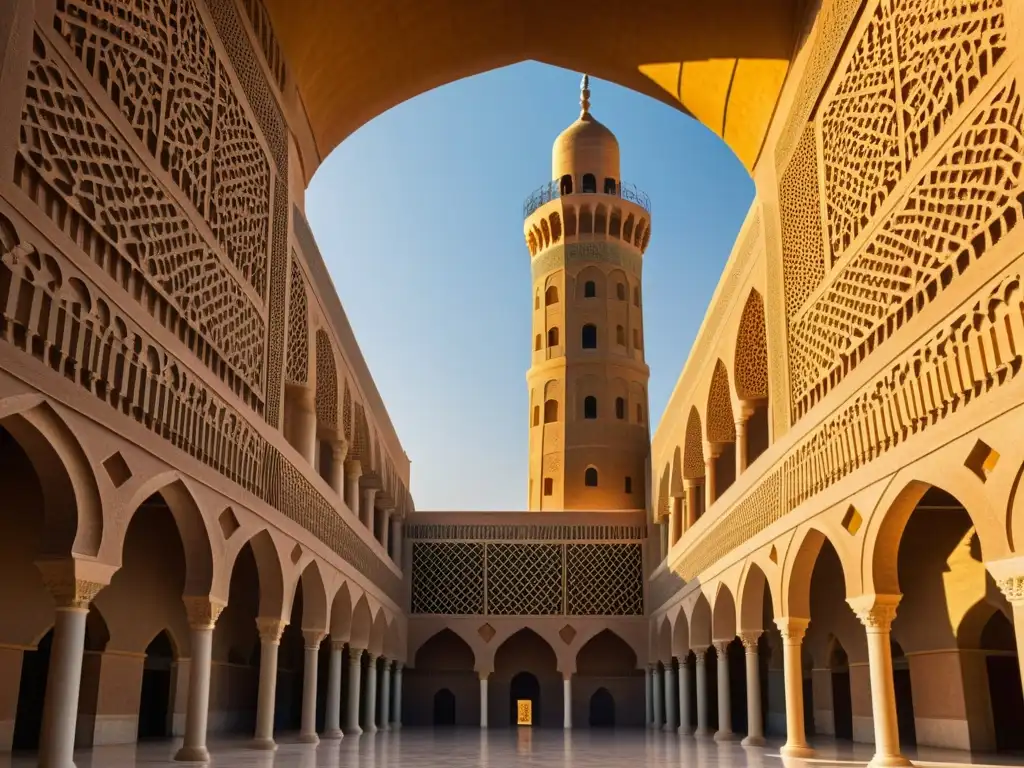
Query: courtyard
{"type": "Point", "coordinates": [471, 747]}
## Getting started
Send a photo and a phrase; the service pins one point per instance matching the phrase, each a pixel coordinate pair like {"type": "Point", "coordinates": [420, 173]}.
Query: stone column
{"type": "Point", "coordinates": [332, 716]}
{"type": "Point", "coordinates": [702, 694]}
{"type": "Point", "coordinates": [396, 707]}
{"type": "Point", "coordinates": [876, 613]}
{"type": "Point", "coordinates": [677, 521]}
{"type": "Point", "coordinates": [270, 641]}
{"type": "Point", "coordinates": [684, 696]}
{"type": "Point", "coordinates": [741, 443]}
{"type": "Point", "coordinates": [724, 732]}
{"type": "Point", "coordinates": [355, 670]}
{"type": "Point", "coordinates": [353, 471]}
{"type": "Point", "coordinates": [793, 630]}
{"type": "Point", "coordinates": [648, 698]}
{"type": "Point", "coordinates": [370, 700]}
{"type": "Point", "coordinates": [339, 450]}
{"type": "Point", "coordinates": [366, 510]}
{"type": "Point", "coordinates": [671, 697]}
{"type": "Point", "coordinates": [483, 700]}
{"type": "Point", "coordinates": [385, 696]}
{"type": "Point", "coordinates": [659, 699]}
{"type": "Point", "coordinates": [1009, 575]}
{"type": "Point", "coordinates": [307, 731]}
{"type": "Point", "coordinates": [203, 613]}
{"type": "Point", "coordinates": [385, 530]}
{"type": "Point", "coordinates": [755, 720]}
{"type": "Point", "coordinates": [709, 476]}
{"type": "Point", "coordinates": [60, 702]}
{"type": "Point", "coordinates": [692, 491]}
{"type": "Point", "coordinates": [396, 544]}
{"type": "Point", "coordinates": [567, 702]}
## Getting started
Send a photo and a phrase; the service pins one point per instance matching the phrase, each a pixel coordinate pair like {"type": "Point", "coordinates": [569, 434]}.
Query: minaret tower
{"type": "Point", "coordinates": [587, 232]}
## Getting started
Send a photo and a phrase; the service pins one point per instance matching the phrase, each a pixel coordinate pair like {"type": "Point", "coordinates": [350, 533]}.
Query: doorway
{"type": "Point", "coordinates": [602, 709]}
{"type": "Point", "coordinates": [28, 720]}
{"type": "Point", "coordinates": [524, 687]}
{"type": "Point", "coordinates": [444, 707]}
{"type": "Point", "coordinates": [155, 700]}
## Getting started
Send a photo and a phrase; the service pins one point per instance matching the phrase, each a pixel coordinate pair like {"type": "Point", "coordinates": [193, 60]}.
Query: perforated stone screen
{"type": "Point", "coordinates": [604, 580]}
{"type": "Point", "coordinates": [524, 579]}
{"type": "Point", "coordinates": [447, 577]}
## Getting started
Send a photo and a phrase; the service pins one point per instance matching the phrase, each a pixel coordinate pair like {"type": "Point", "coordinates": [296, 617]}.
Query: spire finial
{"type": "Point", "coordinates": [585, 95]}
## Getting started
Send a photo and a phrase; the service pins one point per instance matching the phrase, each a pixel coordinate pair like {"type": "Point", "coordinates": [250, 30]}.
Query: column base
{"type": "Point", "coordinates": [308, 738]}
{"type": "Point", "coordinates": [725, 736]}
{"type": "Point", "coordinates": [192, 755]}
{"type": "Point", "coordinates": [753, 741]}
{"type": "Point", "coordinates": [684, 730]}
{"type": "Point", "coordinates": [353, 730]}
{"type": "Point", "coordinates": [701, 732]}
{"type": "Point", "coordinates": [796, 750]}
{"type": "Point", "coordinates": [668, 728]}
{"type": "Point", "coordinates": [267, 745]}
{"type": "Point", "coordinates": [333, 735]}
{"type": "Point", "coordinates": [386, 728]}
{"type": "Point", "coordinates": [370, 729]}
{"type": "Point", "coordinates": [889, 761]}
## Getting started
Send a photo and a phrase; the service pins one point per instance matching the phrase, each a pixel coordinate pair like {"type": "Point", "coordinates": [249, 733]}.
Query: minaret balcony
{"type": "Point", "coordinates": [553, 191]}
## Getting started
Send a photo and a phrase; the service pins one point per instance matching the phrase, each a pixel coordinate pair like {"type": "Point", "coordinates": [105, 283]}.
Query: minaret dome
{"type": "Point", "coordinates": [586, 146]}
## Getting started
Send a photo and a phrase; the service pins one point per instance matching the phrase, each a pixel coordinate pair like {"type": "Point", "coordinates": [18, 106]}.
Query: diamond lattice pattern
{"type": "Point", "coordinates": [448, 577]}
{"type": "Point", "coordinates": [524, 579]}
{"type": "Point", "coordinates": [604, 580]}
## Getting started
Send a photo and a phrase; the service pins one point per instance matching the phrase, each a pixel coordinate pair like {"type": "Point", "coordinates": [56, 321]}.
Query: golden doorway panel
{"type": "Point", "coordinates": [524, 708]}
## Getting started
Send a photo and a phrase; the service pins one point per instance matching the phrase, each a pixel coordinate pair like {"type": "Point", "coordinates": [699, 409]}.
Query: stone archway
{"type": "Point", "coordinates": [445, 662]}
{"type": "Point", "coordinates": [607, 684]}
{"type": "Point", "coordinates": [526, 652]}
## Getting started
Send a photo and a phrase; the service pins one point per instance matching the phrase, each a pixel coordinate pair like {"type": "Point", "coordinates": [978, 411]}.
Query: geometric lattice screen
{"type": "Point", "coordinates": [448, 578]}
{"type": "Point", "coordinates": [459, 578]}
{"type": "Point", "coordinates": [604, 580]}
{"type": "Point", "coordinates": [524, 579]}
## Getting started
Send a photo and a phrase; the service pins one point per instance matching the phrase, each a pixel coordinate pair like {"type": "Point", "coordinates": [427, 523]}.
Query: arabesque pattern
{"type": "Point", "coordinates": [524, 579]}
{"type": "Point", "coordinates": [326, 381]}
{"type": "Point", "coordinates": [604, 580]}
{"type": "Point", "coordinates": [448, 578]}
{"type": "Point", "coordinates": [297, 370]}
{"type": "Point", "coordinates": [751, 363]}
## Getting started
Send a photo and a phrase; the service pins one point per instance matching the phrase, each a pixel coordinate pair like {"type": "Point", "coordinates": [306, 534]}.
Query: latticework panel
{"type": "Point", "coordinates": [448, 578]}
{"type": "Point", "coordinates": [604, 580]}
{"type": "Point", "coordinates": [524, 579]}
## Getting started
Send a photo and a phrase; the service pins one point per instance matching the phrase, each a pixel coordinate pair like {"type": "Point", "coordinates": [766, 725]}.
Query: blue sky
{"type": "Point", "coordinates": [419, 218]}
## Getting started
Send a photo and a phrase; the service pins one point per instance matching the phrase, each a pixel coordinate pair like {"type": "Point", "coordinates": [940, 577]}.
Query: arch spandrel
{"type": "Point", "coordinates": [724, 63]}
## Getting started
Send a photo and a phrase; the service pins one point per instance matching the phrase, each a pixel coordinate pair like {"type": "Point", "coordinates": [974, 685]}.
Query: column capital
{"type": "Point", "coordinates": [792, 628]}
{"type": "Point", "coordinates": [483, 675]}
{"type": "Point", "coordinates": [370, 657]}
{"type": "Point", "coordinates": [399, 666]}
{"type": "Point", "coordinates": [339, 450]}
{"type": "Point", "coordinates": [68, 581]}
{"type": "Point", "coordinates": [271, 629]}
{"type": "Point", "coordinates": [1008, 574]}
{"type": "Point", "coordinates": [338, 645]}
{"type": "Point", "coordinates": [683, 660]}
{"type": "Point", "coordinates": [722, 646]}
{"type": "Point", "coordinates": [876, 612]}
{"type": "Point", "coordinates": [312, 638]}
{"type": "Point", "coordinates": [77, 594]}
{"type": "Point", "coordinates": [355, 654]}
{"type": "Point", "coordinates": [700, 656]}
{"type": "Point", "coordinates": [1012, 588]}
{"type": "Point", "coordinates": [353, 469]}
{"type": "Point", "coordinates": [749, 639]}
{"type": "Point", "coordinates": [203, 611]}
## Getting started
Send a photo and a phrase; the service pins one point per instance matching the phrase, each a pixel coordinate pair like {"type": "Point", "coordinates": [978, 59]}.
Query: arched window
{"type": "Point", "coordinates": [590, 407]}
{"type": "Point", "coordinates": [549, 486]}
{"type": "Point", "coordinates": [536, 343]}
{"type": "Point", "coordinates": [536, 300]}
{"type": "Point", "coordinates": [609, 186]}
{"type": "Point", "coordinates": [536, 415]}
{"type": "Point", "coordinates": [620, 335]}
{"type": "Point", "coordinates": [636, 296]}
{"type": "Point", "coordinates": [550, 296]}
{"type": "Point", "coordinates": [553, 337]}
{"type": "Point", "coordinates": [589, 183]}
{"type": "Point", "coordinates": [550, 411]}
{"type": "Point", "coordinates": [629, 484]}
{"type": "Point", "coordinates": [620, 408]}
{"type": "Point", "coordinates": [620, 292]}
{"type": "Point", "coordinates": [565, 185]}
{"type": "Point", "coordinates": [590, 477]}
{"type": "Point", "coordinates": [589, 289]}
{"type": "Point", "coordinates": [589, 336]}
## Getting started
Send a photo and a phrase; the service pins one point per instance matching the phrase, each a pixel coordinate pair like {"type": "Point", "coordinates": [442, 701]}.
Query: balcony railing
{"type": "Point", "coordinates": [552, 191]}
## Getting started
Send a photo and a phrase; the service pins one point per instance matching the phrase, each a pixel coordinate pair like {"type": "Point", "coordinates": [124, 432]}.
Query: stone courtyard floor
{"type": "Point", "coordinates": [463, 748]}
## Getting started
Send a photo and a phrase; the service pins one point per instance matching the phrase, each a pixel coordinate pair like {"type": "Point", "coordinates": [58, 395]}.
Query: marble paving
{"type": "Point", "coordinates": [466, 748]}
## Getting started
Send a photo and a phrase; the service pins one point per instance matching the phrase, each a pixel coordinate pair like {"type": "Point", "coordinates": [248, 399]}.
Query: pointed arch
{"type": "Point", "coordinates": [723, 619]}
{"type": "Point", "coordinates": [721, 426]}
{"type": "Point", "coordinates": [605, 653]}
{"type": "Point", "coordinates": [754, 585]}
{"type": "Point", "coordinates": [341, 614]}
{"type": "Point", "coordinates": [314, 598]}
{"type": "Point", "coordinates": [445, 650]}
{"type": "Point", "coordinates": [693, 448]}
{"type": "Point", "coordinates": [192, 525]}
{"type": "Point", "coordinates": [680, 636]}
{"type": "Point", "coordinates": [362, 624]}
{"type": "Point", "coordinates": [378, 631]}
{"type": "Point", "coordinates": [796, 576]}
{"type": "Point", "coordinates": [72, 506]}
{"type": "Point", "coordinates": [545, 655]}
{"type": "Point", "coordinates": [699, 620]}
{"type": "Point", "coordinates": [663, 644]}
{"type": "Point", "coordinates": [269, 572]}
{"type": "Point", "coordinates": [750, 363]}
{"type": "Point", "coordinates": [326, 381]}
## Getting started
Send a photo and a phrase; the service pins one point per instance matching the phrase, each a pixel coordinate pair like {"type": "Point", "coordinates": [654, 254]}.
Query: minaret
{"type": "Point", "coordinates": [587, 232]}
